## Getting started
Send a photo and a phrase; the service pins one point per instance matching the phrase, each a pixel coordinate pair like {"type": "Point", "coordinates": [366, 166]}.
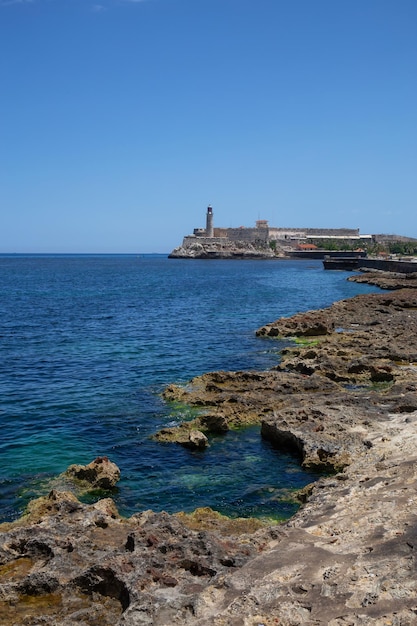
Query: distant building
{"type": "Point", "coordinates": [263, 233]}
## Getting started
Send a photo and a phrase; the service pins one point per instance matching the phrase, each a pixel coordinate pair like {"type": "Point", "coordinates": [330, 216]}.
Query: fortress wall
{"type": "Point", "coordinates": [250, 235]}
{"type": "Point", "coordinates": [332, 232]}
{"type": "Point", "coordinates": [286, 233]}
{"type": "Point", "coordinates": [192, 240]}
{"type": "Point", "coordinates": [265, 234]}
{"type": "Point", "coordinates": [275, 234]}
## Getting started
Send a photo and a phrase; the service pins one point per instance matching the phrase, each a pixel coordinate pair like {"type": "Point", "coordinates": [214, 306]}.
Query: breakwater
{"type": "Point", "coordinates": [346, 262]}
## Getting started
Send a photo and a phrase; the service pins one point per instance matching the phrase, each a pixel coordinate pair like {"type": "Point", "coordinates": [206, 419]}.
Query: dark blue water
{"type": "Point", "coordinates": [87, 345]}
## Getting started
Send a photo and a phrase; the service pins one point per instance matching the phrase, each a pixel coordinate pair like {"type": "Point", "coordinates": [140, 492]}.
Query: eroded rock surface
{"type": "Point", "coordinates": [344, 400]}
{"type": "Point", "coordinates": [99, 474]}
{"type": "Point", "coordinates": [67, 563]}
{"type": "Point", "coordinates": [222, 249]}
{"type": "Point", "coordinates": [386, 280]}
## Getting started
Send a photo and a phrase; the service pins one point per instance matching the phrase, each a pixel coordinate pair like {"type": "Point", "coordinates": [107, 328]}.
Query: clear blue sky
{"type": "Point", "coordinates": [121, 120]}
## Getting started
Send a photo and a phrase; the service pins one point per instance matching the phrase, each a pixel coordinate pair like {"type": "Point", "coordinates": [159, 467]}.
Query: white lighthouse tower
{"type": "Point", "coordinates": [209, 222]}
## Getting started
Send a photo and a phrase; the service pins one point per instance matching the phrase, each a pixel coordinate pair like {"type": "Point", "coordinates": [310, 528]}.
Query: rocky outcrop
{"type": "Point", "coordinates": [186, 435]}
{"type": "Point", "coordinates": [222, 249]}
{"type": "Point", "coordinates": [325, 387]}
{"type": "Point", "coordinates": [344, 400]}
{"type": "Point", "coordinates": [68, 563]}
{"type": "Point", "coordinates": [386, 280]}
{"type": "Point", "coordinates": [99, 474]}
{"type": "Point", "coordinates": [373, 337]}
{"type": "Point", "coordinates": [310, 324]}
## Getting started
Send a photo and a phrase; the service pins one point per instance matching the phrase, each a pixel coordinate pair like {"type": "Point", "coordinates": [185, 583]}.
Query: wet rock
{"type": "Point", "coordinates": [214, 423]}
{"type": "Point", "coordinates": [207, 519]}
{"type": "Point", "coordinates": [196, 440]}
{"type": "Point", "coordinates": [99, 474]}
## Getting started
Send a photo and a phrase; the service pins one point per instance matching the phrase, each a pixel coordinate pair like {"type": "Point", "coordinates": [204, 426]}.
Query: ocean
{"type": "Point", "coordinates": [88, 343]}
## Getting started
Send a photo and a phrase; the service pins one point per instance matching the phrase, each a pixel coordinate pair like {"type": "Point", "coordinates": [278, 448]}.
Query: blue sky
{"type": "Point", "coordinates": [121, 120]}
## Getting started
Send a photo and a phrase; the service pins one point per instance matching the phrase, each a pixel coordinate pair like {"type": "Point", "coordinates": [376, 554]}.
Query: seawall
{"type": "Point", "coordinates": [343, 262]}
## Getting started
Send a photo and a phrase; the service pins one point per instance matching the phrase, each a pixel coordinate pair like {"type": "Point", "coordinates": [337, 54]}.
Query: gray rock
{"type": "Point", "coordinates": [196, 439]}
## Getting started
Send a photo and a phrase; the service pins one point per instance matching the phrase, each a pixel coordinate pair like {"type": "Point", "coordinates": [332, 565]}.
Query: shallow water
{"type": "Point", "coordinates": [88, 343]}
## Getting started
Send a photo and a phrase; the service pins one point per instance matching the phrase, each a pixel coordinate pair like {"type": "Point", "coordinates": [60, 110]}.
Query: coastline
{"type": "Point", "coordinates": [345, 398]}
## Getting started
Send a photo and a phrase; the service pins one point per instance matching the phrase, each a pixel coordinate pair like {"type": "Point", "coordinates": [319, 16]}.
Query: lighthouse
{"type": "Point", "coordinates": [209, 222]}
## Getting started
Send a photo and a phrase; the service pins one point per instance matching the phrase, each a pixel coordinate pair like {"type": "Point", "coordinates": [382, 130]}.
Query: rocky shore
{"type": "Point", "coordinates": [343, 398]}
{"type": "Point", "coordinates": [385, 280]}
{"type": "Point", "coordinates": [222, 248]}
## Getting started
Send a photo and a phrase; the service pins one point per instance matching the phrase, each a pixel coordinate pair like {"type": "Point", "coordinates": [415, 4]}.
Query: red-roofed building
{"type": "Point", "coordinates": [306, 246]}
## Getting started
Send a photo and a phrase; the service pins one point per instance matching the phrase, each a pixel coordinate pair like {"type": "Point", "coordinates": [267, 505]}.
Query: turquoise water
{"type": "Point", "coordinates": [88, 344]}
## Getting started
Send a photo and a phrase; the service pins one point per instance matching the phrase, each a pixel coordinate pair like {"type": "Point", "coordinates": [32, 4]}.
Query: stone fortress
{"type": "Point", "coordinates": [262, 241]}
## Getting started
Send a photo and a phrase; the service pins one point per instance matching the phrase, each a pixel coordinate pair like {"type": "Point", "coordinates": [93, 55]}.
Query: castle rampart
{"type": "Point", "coordinates": [264, 233]}
{"type": "Point", "coordinates": [250, 235]}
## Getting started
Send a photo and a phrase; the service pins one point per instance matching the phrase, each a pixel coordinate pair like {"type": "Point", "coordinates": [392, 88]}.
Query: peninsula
{"type": "Point", "coordinates": [267, 242]}
{"type": "Point", "coordinates": [261, 242]}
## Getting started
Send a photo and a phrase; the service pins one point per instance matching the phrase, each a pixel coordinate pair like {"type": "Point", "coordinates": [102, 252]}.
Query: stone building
{"type": "Point", "coordinates": [263, 233]}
